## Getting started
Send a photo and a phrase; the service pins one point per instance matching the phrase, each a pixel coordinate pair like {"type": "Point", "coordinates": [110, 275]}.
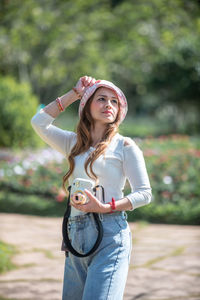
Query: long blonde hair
{"type": "Point", "coordinates": [84, 141]}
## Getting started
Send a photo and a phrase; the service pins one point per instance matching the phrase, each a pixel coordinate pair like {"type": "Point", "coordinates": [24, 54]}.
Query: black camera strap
{"type": "Point", "coordinates": [66, 239]}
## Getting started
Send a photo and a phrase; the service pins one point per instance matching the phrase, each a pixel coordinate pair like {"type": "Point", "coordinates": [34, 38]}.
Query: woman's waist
{"type": "Point", "coordinates": [103, 217]}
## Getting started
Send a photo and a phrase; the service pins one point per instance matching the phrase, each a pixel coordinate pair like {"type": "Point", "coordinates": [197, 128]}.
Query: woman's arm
{"type": "Point", "coordinates": [136, 172]}
{"type": "Point", "coordinates": [70, 97]}
{"type": "Point", "coordinates": [67, 99]}
{"type": "Point", "coordinates": [59, 139]}
{"type": "Point", "coordinates": [94, 205]}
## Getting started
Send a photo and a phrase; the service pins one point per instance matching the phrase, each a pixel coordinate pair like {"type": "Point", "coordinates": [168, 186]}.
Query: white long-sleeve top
{"type": "Point", "coordinates": [119, 162]}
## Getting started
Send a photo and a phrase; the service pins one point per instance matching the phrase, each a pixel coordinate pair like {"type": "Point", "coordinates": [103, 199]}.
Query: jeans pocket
{"type": "Point", "coordinates": [126, 236]}
{"type": "Point", "coordinates": [121, 223]}
{"type": "Point", "coordinates": [75, 236]}
{"type": "Point", "coordinates": [111, 228]}
{"type": "Point", "coordinates": [89, 237]}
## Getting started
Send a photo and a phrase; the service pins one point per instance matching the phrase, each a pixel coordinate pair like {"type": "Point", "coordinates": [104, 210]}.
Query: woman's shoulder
{"type": "Point", "coordinates": [125, 140]}
{"type": "Point", "coordinates": [128, 145]}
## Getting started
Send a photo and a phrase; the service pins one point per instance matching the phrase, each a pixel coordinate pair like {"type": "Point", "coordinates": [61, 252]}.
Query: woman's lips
{"type": "Point", "coordinates": [107, 112]}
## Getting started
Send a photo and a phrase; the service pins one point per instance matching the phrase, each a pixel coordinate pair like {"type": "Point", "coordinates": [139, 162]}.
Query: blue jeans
{"type": "Point", "coordinates": [102, 275]}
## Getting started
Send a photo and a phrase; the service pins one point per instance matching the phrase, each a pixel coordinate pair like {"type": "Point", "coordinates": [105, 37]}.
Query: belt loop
{"type": "Point", "coordinates": [100, 217]}
{"type": "Point", "coordinates": [124, 215]}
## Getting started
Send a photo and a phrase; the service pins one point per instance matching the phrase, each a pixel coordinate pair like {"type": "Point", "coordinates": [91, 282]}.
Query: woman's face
{"type": "Point", "coordinates": [104, 106]}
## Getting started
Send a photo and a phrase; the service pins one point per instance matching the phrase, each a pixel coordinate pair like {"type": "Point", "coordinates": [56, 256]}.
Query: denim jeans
{"type": "Point", "coordinates": [102, 275]}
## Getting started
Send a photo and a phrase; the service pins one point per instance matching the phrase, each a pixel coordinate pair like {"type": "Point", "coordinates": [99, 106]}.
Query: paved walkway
{"type": "Point", "coordinates": [165, 262]}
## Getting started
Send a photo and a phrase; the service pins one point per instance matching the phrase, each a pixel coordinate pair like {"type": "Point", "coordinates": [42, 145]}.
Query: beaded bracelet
{"type": "Point", "coordinates": [77, 93]}
{"type": "Point", "coordinates": [60, 106]}
{"type": "Point", "coordinates": [112, 205]}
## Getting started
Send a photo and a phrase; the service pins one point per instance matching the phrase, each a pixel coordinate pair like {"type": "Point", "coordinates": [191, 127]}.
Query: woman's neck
{"type": "Point", "coordinates": [97, 133]}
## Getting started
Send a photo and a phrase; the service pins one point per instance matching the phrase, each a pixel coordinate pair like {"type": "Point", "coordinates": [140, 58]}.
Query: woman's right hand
{"type": "Point", "coordinates": [83, 83]}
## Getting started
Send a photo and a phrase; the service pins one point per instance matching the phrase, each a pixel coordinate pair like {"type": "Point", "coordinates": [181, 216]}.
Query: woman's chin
{"type": "Point", "coordinates": [109, 118]}
{"type": "Point", "coordinates": [105, 120]}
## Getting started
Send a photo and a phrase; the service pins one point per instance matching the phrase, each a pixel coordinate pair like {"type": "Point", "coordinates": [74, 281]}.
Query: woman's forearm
{"type": "Point", "coordinates": [67, 99]}
{"type": "Point", "coordinates": [122, 204]}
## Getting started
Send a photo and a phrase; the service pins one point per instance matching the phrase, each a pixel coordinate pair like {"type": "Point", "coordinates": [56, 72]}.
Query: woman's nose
{"type": "Point", "coordinates": [108, 104]}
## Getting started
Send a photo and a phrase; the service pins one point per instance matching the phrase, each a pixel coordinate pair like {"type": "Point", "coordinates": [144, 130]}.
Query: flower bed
{"type": "Point", "coordinates": [173, 166]}
{"type": "Point", "coordinates": [31, 181]}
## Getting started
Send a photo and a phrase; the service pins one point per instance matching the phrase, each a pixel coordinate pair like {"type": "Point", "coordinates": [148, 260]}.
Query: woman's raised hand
{"type": "Point", "coordinates": [83, 83]}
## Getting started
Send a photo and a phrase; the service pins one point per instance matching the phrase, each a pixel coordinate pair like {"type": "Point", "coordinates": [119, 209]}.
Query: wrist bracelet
{"type": "Point", "coordinates": [77, 93]}
{"type": "Point", "coordinates": [112, 205]}
{"type": "Point", "coordinates": [60, 106]}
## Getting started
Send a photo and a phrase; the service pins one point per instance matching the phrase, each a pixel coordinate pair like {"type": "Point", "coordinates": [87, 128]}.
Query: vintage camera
{"type": "Point", "coordinates": [78, 196]}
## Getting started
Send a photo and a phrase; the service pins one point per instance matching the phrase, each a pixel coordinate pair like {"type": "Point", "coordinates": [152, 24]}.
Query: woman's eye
{"type": "Point", "coordinates": [115, 101]}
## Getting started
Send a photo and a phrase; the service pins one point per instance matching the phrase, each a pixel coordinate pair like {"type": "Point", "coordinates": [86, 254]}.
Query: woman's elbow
{"type": "Point", "coordinates": [148, 196]}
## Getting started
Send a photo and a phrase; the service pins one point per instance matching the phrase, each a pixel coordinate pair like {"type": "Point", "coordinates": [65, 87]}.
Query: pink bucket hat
{"type": "Point", "coordinates": [104, 83]}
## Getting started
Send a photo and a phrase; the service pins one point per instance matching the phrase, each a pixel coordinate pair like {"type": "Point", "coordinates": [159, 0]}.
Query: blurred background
{"type": "Point", "coordinates": [150, 49]}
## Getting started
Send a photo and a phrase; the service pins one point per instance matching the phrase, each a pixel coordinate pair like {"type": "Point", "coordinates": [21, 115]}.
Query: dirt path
{"type": "Point", "coordinates": [165, 262]}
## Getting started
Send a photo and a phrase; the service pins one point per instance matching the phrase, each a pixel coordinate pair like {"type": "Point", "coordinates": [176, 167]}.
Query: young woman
{"type": "Point", "coordinates": [99, 153]}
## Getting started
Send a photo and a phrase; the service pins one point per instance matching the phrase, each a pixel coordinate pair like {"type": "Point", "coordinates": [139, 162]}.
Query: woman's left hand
{"type": "Point", "coordinates": [94, 205]}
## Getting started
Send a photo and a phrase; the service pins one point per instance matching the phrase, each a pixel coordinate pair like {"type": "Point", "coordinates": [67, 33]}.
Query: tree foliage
{"type": "Point", "coordinates": [17, 106]}
{"type": "Point", "coordinates": [149, 48]}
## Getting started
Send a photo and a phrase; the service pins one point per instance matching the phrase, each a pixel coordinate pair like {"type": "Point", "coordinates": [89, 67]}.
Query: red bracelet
{"type": "Point", "coordinates": [77, 93]}
{"type": "Point", "coordinates": [112, 205]}
{"type": "Point", "coordinates": [60, 106]}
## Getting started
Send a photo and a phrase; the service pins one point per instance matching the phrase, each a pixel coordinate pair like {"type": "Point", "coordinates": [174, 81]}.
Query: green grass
{"type": "Point", "coordinates": [139, 127]}
{"type": "Point", "coordinates": [131, 126]}
{"type": "Point", "coordinates": [6, 253]}
{"type": "Point", "coordinates": [67, 121]}
{"type": "Point", "coordinates": [3, 298]}
{"type": "Point", "coordinates": [47, 253]}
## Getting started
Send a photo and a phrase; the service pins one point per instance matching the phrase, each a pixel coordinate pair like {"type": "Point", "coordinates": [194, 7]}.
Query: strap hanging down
{"type": "Point", "coordinates": [65, 231]}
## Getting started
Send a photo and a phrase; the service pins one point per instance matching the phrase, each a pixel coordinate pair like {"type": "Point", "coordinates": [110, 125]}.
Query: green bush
{"type": "Point", "coordinates": [185, 212]}
{"type": "Point", "coordinates": [37, 205]}
{"type": "Point", "coordinates": [18, 105]}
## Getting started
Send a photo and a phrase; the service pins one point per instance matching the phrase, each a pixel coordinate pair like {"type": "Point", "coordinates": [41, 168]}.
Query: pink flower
{"type": "Point", "coordinates": [166, 194]}
{"type": "Point", "coordinates": [61, 195]}
{"type": "Point", "coordinates": [26, 182]}
{"type": "Point", "coordinates": [197, 153]}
